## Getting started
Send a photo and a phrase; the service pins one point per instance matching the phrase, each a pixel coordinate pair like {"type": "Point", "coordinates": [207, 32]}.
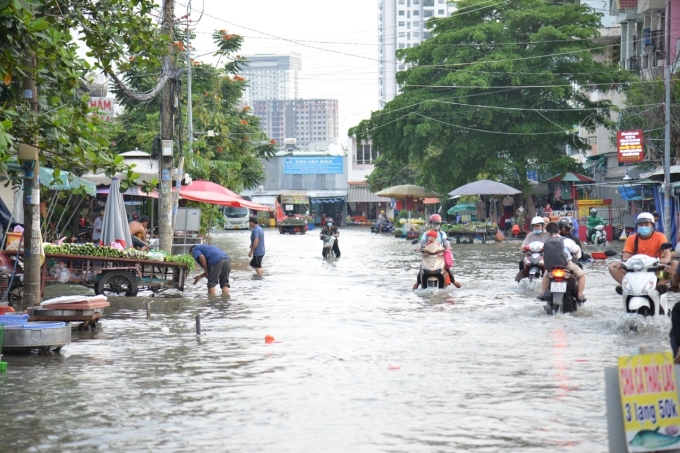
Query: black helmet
{"type": "Point", "coordinates": [565, 223]}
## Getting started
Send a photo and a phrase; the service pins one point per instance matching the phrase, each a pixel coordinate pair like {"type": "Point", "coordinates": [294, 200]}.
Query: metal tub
{"type": "Point", "coordinates": [36, 338]}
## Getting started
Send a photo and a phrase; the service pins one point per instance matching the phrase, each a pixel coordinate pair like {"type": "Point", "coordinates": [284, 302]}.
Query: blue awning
{"type": "Point", "coordinates": [633, 193]}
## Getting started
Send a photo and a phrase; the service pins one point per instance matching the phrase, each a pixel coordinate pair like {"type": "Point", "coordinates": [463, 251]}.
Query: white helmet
{"type": "Point", "coordinates": [645, 217]}
{"type": "Point", "coordinates": [537, 220]}
{"type": "Point", "coordinates": [593, 211]}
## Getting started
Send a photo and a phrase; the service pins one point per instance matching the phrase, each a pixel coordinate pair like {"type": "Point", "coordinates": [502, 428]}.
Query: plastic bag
{"type": "Point", "coordinates": [18, 229]}
{"type": "Point", "coordinates": [499, 236]}
{"type": "Point", "coordinates": [64, 275]}
{"type": "Point", "coordinates": [448, 259]}
{"type": "Point", "coordinates": [116, 245]}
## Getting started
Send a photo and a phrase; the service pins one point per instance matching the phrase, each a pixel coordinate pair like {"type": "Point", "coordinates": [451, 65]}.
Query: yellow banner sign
{"type": "Point", "coordinates": [649, 400]}
{"type": "Point", "coordinates": [590, 202]}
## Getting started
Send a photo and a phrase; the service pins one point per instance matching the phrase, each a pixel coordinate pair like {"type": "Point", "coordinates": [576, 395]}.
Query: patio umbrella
{"type": "Point", "coordinates": [407, 190]}
{"type": "Point", "coordinates": [462, 208]}
{"type": "Point", "coordinates": [484, 187]}
{"type": "Point", "coordinates": [114, 225]}
{"type": "Point", "coordinates": [570, 177]}
{"type": "Point", "coordinates": [211, 193]}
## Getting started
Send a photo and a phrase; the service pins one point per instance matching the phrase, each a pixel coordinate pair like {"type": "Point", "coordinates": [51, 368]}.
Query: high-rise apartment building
{"type": "Point", "coordinates": [271, 77]}
{"type": "Point", "coordinates": [402, 24]}
{"type": "Point", "coordinates": [306, 120]}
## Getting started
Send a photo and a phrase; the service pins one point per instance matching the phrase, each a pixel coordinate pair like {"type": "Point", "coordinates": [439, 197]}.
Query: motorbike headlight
{"type": "Point", "coordinates": [626, 285]}
{"type": "Point", "coordinates": [636, 265]}
{"type": "Point", "coordinates": [648, 287]}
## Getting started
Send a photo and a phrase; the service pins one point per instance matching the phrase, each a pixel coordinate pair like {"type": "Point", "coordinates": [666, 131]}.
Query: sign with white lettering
{"type": "Point", "coordinates": [630, 146]}
{"type": "Point", "coordinates": [319, 165]}
{"type": "Point", "coordinates": [649, 399]}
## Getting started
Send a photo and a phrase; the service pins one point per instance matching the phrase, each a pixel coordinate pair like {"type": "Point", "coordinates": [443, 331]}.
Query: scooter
{"type": "Point", "coordinates": [563, 292]}
{"type": "Point", "coordinates": [599, 237]}
{"type": "Point", "coordinates": [382, 227]}
{"type": "Point", "coordinates": [328, 242]}
{"type": "Point", "coordinates": [533, 261]}
{"type": "Point", "coordinates": [640, 287]}
{"type": "Point", "coordinates": [432, 271]}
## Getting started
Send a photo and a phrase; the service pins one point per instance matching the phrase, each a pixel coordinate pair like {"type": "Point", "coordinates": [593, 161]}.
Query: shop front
{"type": "Point", "coordinates": [329, 204]}
{"type": "Point", "coordinates": [364, 207]}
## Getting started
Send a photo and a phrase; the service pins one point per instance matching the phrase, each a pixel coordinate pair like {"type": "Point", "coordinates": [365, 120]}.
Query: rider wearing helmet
{"type": "Point", "coordinates": [566, 225]}
{"type": "Point", "coordinates": [330, 230]}
{"type": "Point", "coordinates": [435, 225]}
{"type": "Point", "coordinates": [593, 221]}
{"type": "Point", "coordinates": [382, 217]}
{"type": "Point", "coordinates": [537, 232]}
{"type": "Point", "coordinates": [646, 242]}
{"type": "Point", "coordinates": [572, 252]}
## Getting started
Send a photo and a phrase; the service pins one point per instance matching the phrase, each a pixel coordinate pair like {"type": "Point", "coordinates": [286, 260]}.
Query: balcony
{"type": "Point", "coordinates": [647, 5]}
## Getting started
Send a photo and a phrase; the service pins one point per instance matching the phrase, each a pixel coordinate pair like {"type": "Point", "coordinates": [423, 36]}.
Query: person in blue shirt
{"type": "Point", "coordinates": [216, 265]}
{"type": "Point", "coordinates": [657, 225]}
{"type": "Point", "coordinates": [256, 246]}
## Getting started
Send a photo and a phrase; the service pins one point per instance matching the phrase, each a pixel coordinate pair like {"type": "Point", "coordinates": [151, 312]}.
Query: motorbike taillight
{"type": "Point", "coordinates": [558, 275]}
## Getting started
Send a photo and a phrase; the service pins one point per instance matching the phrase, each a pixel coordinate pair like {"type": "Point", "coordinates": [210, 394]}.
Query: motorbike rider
{"type": "Point", "coordinates": [593, 221]}
{"type": "Point", "coordinates": [646, 242]}
{"type": "Point", "coordinates": [382, 217]}
{"type": "Point", "coordinates": [331, 230]}
{"type": "Point", "coordinates": [442, 238]}
{"type": "Point", "coordinates": [432, 246]}
{"type": "Point", "coordinates": [570, 250]}
{"type": "Point", "coordinates": [567, 227]}
{"type": "Point", "coordinates": [537, 234]}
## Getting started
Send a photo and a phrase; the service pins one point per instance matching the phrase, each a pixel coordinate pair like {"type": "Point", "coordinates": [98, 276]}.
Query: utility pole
{"type": "Point", "coordinates": [667, 141]}
{"type": "Point", "coordinates": [168, 99]}
{"type": "Point", "coordinates": [28, 154]}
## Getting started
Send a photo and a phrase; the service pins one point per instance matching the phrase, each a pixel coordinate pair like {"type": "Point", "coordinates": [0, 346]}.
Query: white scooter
{"type": "Point", "coordinates": [432, 271]}
{"type": "Point", "coordinates": [639, 287]}
{"type": "Point", "coordinates": [599, 237]}
{"type": "Point", "coordinates": [328, 242]}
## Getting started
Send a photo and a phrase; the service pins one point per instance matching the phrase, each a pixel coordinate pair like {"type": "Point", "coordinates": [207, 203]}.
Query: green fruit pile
{"type": "Point", "coordinates": [185, 259]}
{"type": "Point", "coordinates": [89, 249]}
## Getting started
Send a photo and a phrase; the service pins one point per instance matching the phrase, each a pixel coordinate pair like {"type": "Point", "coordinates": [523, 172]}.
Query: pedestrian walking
{"type": "Point", "coordinates": [216, 265]}
{"type": "Point", "coordinates": [256, 246]}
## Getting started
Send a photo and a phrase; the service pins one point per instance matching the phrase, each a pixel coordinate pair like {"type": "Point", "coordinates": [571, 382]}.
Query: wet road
{"type": "Point", "coordinates": [361, 362]}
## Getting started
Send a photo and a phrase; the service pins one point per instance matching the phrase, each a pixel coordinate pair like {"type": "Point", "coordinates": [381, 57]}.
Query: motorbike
{"type": "Point", "coordinates": [562, 296]}
{"type": "Point", "coordinates": [382, 227]}
{"type": "Point", "coordinates": [533, 261]}
{"type": "Point", "coordinates": [432, 271]}
{"type": "Point", "coordinates": [640, 287]}
{"type": "Point", "coordinates": [599, 237]}
{"type": "Point", "coordinates": [328, 242]}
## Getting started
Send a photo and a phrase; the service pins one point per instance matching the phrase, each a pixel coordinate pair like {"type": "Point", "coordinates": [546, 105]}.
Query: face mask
{"type": "Point", "coordinates": [436, 226]}
{"type": "Point", "coordinates": [538, 231]}
{"type": "Point", "coordinates": [644, 231]}
{"type": "Point", "coordinates": [329, 224]}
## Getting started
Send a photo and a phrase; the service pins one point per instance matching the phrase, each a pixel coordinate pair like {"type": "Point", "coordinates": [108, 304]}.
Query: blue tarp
{"type": "Point", "coordinates": [659, 203]}
{"type": "Point", "coordinates": [630, 193]}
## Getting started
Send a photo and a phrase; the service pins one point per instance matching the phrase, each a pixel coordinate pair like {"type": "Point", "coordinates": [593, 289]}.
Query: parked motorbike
{"type": "Point", "coordinates": [382, 227]}
{"type": "Point", "coordinates": [562, 296]}
{"type": "Point", "coordinates": [640, 287]}
{"type": "Point", "coordinates": [598, 237]}
{"type": "Point", "coordinates": [328, 242]}
{"type": "Point", "coordinates": [533, 261]}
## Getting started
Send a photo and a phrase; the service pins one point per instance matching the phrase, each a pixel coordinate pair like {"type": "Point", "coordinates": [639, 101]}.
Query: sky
{"type": "Point", "coordinates": [337, 40]}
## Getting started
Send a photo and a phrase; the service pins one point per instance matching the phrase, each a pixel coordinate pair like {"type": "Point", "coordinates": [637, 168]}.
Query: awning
{"type": "Point", "coordinates": [294, 199]}
{"type": "Point", "coordinates": [361, 194]}
{"type": "Point", "coordinates": [637, 192]}
{"type": "Point", "coordinates": [65, 181]}
{"type": "Point", "coordinates": [618, 173]}
{"type": "Point", "coordinates": [132, 191]}
{"type": "Point", "coordinates": [328, 200]}
{"type": "Point", "coordinates": [211, 193]}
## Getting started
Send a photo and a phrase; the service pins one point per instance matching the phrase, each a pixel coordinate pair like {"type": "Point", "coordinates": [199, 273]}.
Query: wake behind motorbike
{"type": "Point", "coordinates": [642, 294]}
{"type": "Point", "coordinates": [533, 262]}
{"type": "Point", "coordinates": [562, 296]}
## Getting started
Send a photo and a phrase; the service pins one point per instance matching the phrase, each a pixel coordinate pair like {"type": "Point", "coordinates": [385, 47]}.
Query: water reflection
{"type": "Point", "coordinates": [360, 362]}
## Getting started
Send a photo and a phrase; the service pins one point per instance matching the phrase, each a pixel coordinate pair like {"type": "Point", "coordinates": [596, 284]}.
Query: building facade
{"type": "Point", "coordinates": [362, 205]}
{"type": "Point", "coordinates": [402, 24]}
{"type": "Point", "coordinates": [309, 121]}
{"type": "Point", "coordinates": [271, 77]}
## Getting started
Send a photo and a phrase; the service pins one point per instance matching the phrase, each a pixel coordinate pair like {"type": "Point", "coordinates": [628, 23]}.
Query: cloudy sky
{"type": "Point", "coordinates": [337, 41]}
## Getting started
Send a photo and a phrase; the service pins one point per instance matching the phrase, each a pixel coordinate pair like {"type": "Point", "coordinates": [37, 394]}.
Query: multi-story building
{"type": "Point", "coordinates": [271, 77]}
{"type": "Point", "coordinates": [402, 24]}
{"type": "Point", "coordinates": [309, 121]}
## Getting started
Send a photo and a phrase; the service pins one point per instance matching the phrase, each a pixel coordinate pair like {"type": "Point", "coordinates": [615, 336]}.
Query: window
{"type": "Point", "coordinates": [402, 34]}
{"type": "Point", "coordinates": [416, 23]}
{"type": "Point", "coordinates": [428, 13]}
{"type": "Point", "coordinates": [401, 24]}
{"type": "Point", "coordinates": [428, 2]}
{"type": "Point", "coordinates": [401, 13]}
{"type": "Point", "coordinates": [402, 45]}
{"type": "Point", "coordinates": [408, 25]}
{"type": "Point", "coordinates": [408, 35]}
{"type": "Point", "coordinates": [366, 154]}
{"type": "Point", "coordinates": [401, 67]}
{"type": "Point", "coordinates": [401, 2]}
{"type": "Point", "coordinates": [416, 13]}
{"type": "Point", "coordinates": [442, 1]}
{"type": "Point", "coordinates": [440, 12]}
{"type": "Point", "coordinates": [416, 34]}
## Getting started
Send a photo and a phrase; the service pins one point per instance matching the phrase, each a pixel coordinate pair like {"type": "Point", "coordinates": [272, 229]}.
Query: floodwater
{"type": "Point", "coordinates": [361, 363]}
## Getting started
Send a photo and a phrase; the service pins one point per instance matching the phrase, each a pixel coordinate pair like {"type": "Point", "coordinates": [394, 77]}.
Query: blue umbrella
{"type": "Point", "coordinates": [114, 225]}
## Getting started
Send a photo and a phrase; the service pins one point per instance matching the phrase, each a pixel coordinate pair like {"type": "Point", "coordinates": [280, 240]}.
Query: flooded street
{"type": "Point", "coordinates": [361, 363]}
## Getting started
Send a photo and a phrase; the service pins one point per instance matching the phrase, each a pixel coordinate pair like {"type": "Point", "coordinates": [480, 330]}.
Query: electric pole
{"type": "Point", "coordinates": [667, 140]}
{"type": "Point", "coordinates": [28, 154]}
{"type": "Point", "coordinates": [168, 100]}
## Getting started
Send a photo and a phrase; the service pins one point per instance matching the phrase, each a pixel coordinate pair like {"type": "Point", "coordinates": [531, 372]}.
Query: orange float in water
{"type": "Point", "coordinates": [268, 339]}
{"type": "Point", "coordinates": [515, 229]}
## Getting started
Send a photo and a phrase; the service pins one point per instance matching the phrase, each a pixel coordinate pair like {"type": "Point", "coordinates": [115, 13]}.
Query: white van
{"type": "Point", "coordinates": [235, 218]}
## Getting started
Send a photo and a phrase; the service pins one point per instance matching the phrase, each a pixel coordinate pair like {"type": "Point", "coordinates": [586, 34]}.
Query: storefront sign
{"type": "Point", "coordinates": [294, 199]}
{"type": "Point", "coordinates": [630, 145]}
{"type": "Point", "coordinates": [104, 106]}
{"type": "Point", "coordinates": [649, 400]}
{"type": "Point", "coordinates": [331, 165]}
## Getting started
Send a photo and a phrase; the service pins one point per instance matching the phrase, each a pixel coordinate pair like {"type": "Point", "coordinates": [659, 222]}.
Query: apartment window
{"type": "Point", "coordinates": [416, 34]}
{"type": "Point", "coordinates": [402, 34]}
{"type": "Point", "coordinates": [416, 23]}
{"type": "Point", "coordinates": [402, 45]}
{"type": "Point", "coordinates": [442, 1]}
{"type": "Point", "coordinates": [428, 2]}
{"type": "Point", "coordinates": [401, 13]}
{"type": "Point", "coordinates": [401, 2]}
{"type": "Point", "coordinates": [416, 13]}
{"type": "Point", "coordinates": [408, 14]}
{"type": "Point", "coordinates": [408, 35]}
{"type": "Point", "coordinates": [428, 13]}
{"type": "Point", "coordinates": [401, 24]}
{"type": "Point", "coordinates": [401, 67]}
{"type": "Point", "coordinates": [408, 25]}
{"type": "Point", "coordinates": [440, 12]}
{"type": "Point", "coordinates": [426, 34]}
{"type": "Point", "coordinates": [366, 154]}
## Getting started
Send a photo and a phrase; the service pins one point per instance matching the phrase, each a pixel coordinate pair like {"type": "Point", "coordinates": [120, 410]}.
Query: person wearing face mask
{"type": "Point", "coordinates": [331, 230]}
{"type": "Point", "coordinates": [537, 234]}
{"type": "Point", "coordinates": [646, 242]}
{"type": "Point", "coordinates": [442, 239]}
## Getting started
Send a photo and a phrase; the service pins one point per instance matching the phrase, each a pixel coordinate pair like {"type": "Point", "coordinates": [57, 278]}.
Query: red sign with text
{"type": "Point", "coordinates": [630, 146]}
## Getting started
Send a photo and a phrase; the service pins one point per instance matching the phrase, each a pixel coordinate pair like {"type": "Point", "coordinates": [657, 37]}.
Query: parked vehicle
{"type": "Point", "coordinates": [235, 218]}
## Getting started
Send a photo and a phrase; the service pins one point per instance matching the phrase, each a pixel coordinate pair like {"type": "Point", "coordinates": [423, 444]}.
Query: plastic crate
{"type": "Point", "coordinates": [13, 320]}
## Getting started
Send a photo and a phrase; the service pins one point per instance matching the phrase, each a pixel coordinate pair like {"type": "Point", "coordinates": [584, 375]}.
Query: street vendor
{"type": "Point", "coordinates": [138, 233]}
{"type": "Point", "coordinates": [216, 265]}
{"type": "Point", "coordinates": [97, 228]}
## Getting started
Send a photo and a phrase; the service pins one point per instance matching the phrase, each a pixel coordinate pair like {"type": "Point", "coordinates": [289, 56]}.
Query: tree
{"type": "Point", "coordinates": [67, 133]}
{"type": "Point", "coordinates": [388, 173]}
{"type": "Point", "coordinates": [230, 154]}
{"type": "Point", "coordinates": [498, 89]}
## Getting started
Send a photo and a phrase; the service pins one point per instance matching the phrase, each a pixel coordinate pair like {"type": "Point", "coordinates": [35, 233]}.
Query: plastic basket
{"type": "Point", "coordinates": [43, 325]}
{"type": "Point", "coordinates": [13, 320]}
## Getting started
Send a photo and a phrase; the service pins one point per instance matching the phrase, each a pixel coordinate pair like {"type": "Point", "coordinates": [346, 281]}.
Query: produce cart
{"type": "Point", "coordinates": [294, 224]}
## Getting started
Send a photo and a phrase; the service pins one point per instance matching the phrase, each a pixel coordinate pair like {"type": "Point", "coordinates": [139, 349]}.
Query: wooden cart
{"type": "Point", "coordinates": [118, 276]}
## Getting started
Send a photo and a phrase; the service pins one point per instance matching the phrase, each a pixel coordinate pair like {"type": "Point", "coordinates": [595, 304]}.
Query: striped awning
{"type": "Point", "coordinates": [361, 194]}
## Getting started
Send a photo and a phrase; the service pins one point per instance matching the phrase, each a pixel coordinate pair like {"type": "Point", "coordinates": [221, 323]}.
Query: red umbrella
{"type": "Point", "coordinates": [575, 178]}
{"type": "Point", "coordinates": [209, 192]}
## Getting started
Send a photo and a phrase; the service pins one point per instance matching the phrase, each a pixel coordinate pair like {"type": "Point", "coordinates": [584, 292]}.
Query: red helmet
{"type": "Point", "coordinates": [435, 218]}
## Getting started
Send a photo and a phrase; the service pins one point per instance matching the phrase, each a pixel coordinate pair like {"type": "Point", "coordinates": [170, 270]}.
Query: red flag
{"type": "Point", "coordinates": [279, 212]}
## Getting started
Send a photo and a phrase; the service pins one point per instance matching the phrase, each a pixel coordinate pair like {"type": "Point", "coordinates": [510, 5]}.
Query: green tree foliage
{"type": "Point", "coordinates": [229, 156]}
{"type": "Point", "coordinates": [68, 135]}
{"type": "Point", "coordinates": [496, 90]}
{"type": "Point", "coordinates": [645, 110]}
{"type": "Point", "coordinates": [388, 173]}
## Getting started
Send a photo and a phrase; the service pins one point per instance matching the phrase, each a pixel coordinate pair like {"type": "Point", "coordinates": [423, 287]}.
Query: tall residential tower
{"type": "Point", "coordinates": [271, 77]}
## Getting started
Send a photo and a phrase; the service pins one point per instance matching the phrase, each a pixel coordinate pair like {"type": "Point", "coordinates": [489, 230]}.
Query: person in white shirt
{"type": "Point", "coordinates": [97, 228]}
{"type": "Point", "coordinates": [571, 251]}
